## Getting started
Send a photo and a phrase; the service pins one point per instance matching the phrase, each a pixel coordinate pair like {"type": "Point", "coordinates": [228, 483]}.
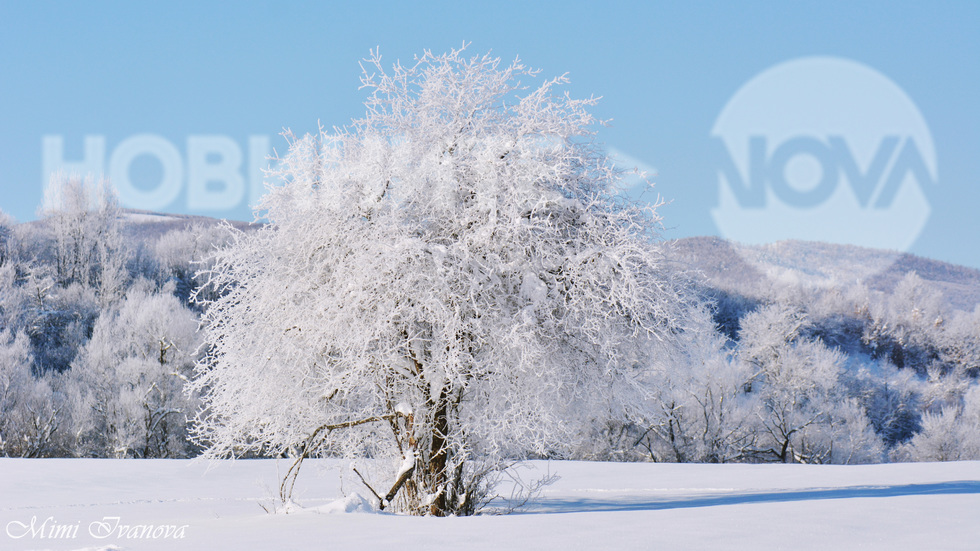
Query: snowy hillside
{"type": "Point", "coordinates": [592, 506]}
{"type": "Point", "coordinates": [745, 268]}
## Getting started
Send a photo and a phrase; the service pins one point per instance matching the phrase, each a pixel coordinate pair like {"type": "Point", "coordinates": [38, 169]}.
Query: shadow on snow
{"type": "Point", "coordinates": [647, 503]}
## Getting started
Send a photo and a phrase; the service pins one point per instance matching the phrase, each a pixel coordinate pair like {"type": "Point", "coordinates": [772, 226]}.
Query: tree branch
{"type": "Point", "coordinates": [381, 501]}
{"type": "Point", "coordinates": [293, 472]}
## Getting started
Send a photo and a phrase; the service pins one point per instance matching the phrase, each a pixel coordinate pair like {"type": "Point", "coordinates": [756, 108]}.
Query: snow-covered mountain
{"type": "Point", "coordinates": [142, 224]}
{"type": "Point", "coordinates": [749, 269]}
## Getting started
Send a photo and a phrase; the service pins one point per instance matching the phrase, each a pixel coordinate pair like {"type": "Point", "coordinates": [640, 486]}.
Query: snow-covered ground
{"type": "Point", "coordinates": [175, 505]}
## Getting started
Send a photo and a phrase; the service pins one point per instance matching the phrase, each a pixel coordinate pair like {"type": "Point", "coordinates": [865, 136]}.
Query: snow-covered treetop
{"type": "Point", "coordinates": [451, 132]}
{"type": "Point", "coordinates": [461, 254]}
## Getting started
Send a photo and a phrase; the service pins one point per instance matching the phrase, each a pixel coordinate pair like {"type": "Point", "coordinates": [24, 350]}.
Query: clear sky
{"type": "Point", "coordinates": [208, 81]}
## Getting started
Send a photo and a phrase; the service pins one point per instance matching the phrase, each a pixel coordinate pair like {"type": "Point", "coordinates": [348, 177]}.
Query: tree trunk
{"type": "Point", "coordinates": [438, 457]}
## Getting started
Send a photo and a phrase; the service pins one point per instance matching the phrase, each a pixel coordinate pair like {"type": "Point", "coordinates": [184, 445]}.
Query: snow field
{"type": "Point", "coordinates": [131, 505]}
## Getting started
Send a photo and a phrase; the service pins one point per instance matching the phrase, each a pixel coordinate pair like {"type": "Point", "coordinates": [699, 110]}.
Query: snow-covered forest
{"type": "Point", "coordinates": [97, 331]}
{"type": "Point", "coordinates": [529, 314]}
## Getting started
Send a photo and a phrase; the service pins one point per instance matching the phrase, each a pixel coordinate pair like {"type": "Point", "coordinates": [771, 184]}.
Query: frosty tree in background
{"type": "Point", "coordinates": [450, 283]}
{"type": "Point", "coordinates": [31, 415]}
{"type": "Point", "coordinates": [127, 383]}
{"type": "Point", "coordinates": [6, 231]}
{"type": "Point", "coordinates": [83, 216]}
{"type": "Point", "coordinates": [806, 415]}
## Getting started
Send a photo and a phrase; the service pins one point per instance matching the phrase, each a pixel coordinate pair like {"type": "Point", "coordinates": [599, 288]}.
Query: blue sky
{"type": "Point", "coordinates": [665, 71]}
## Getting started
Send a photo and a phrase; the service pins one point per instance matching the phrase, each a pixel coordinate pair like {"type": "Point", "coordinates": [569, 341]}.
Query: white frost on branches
{"type": "Point", "coordinates": [452, 277]}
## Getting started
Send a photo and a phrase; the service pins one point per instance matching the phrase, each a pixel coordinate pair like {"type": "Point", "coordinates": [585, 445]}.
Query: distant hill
{"type": "Point", "coordinates": [147, 225]}
{"type": "Point", "coordinates": [144, 225]}
{"type": "Point", "coordinates": [748, 269]}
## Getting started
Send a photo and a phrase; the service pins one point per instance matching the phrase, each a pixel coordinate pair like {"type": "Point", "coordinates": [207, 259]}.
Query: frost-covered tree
{"type": "Point", "coordinates": [65, 269]}
{"type": "Point", "coordinates": [15, 375]}
{"type": "Point", "coordinates": [905, 327]}
{"type": "Point", "coordinates": [891, 397]}
{"type": "Point", "coordinates": [807, 415]}
{"type": "Point", "coordinates": [11, 298]}
{"type": "Point", "coordinates": [6, 236]}
{"type": "Point", "coordinates": [82, 217]}
{"type": "Point", "coordinates": [128, 382]}
{"type": "Point", "coordinates": [57, 319]}
{"type": "Point", "coordinates": [959, 344]}
{"type": "Point", "coordinates": [33, 413]}
{"type": "Point", "coordinates": [447, 284]}
{"type": "Point", "coordinates": [182, 253]}
{"type": "Point", "coordinates": [950, 435]}
{"type": "Point", "coordinates": [706, 413]}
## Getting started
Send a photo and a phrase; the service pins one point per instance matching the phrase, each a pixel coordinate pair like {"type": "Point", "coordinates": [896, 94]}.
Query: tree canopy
{"type": "Point", "coordinates": [451, 282]}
